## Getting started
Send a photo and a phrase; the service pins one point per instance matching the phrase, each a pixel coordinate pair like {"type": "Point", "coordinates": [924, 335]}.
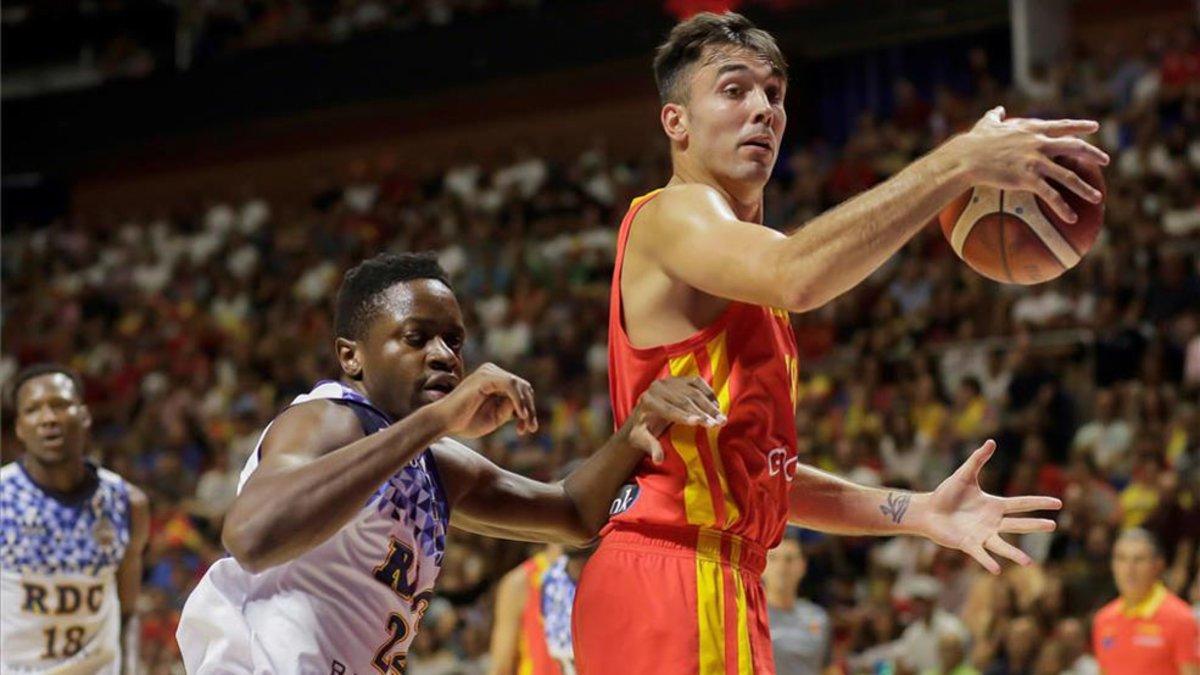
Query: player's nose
{"type": "Point", "coordinates": [764, 112]}
{"type": "Point", "coordinates": [438, 353]}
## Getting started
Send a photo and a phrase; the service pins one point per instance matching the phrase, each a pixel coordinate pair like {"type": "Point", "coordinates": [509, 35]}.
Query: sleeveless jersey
{"type": "Point", "coordinates": [533, 657]}
{"type": "Point", "coordinates": [59, 609]}
{"type": "Point", "coordinates": [351, 605]}
{"type": "Point", "coordinates": [732, 479]}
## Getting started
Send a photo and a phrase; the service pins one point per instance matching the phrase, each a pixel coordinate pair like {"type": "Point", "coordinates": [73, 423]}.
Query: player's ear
{"type": "Point", "coordinates": [348, 358]}
{"type": "Point", "coordinates": [674, 122]}
{"type": "Point", "coordinates": [85, 416]}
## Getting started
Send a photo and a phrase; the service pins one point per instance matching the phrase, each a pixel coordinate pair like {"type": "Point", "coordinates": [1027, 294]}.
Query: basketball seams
{"type": "Point", "coordinates": [1026, 209]}
{"type": "Point", "coordinates": [1004, 242]}
{"type": "Point", "coordinates": [1047, 232]}
{"type": "Point", "coordinates": [978, 206]}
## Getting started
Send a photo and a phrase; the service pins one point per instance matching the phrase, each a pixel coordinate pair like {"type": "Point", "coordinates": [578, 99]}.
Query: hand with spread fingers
{"type": "Point", "coordinates": [1018, 154]}
{"type": "Point", "coordinates": [672, 400]}
{"type": "Point", "coordinates": [960, 515]}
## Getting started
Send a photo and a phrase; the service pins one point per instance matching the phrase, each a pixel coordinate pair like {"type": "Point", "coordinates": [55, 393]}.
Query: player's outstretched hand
{"type": "Point", "coordinates": [485, 400]}
{"type": "Point", "coordinates": [672, 400]}
{"type": "Point", "coordinates": [1018, 154]}
{"type": "Point", "coordinates": [962, 516]}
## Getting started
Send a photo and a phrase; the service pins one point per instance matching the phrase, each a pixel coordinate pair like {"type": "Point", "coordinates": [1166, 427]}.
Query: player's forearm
{"type": "Point", "coordinates": [129, 643]}
{"type": "Point", "coordinates": [834, 252]}
{"type": "Point", "coordinates": [592, 487]}
{"type": "Point", "coordinates": [824, 502]}
{"type": "Point", "coordinates": [281, 515]}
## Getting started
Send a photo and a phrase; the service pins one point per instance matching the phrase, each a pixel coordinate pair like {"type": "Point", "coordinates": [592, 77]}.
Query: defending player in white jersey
{"type": "Point", "coordinates": [338, 530]}
{"type": "Point", "coordinates": [72, 536]}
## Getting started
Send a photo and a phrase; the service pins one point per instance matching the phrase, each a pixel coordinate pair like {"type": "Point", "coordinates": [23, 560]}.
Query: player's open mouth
{"type": "Point", "coordinates": [439, 385]}
{"type": "Point", "coordinates": [760, 142]}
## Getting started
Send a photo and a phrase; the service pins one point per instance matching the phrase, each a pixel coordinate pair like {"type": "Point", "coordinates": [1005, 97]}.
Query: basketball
{"type": "Point", "coordinates": [1014, 237]}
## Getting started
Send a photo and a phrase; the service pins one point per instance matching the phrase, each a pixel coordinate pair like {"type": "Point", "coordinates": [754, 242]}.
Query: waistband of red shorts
{"type": "Point", "coordinates": [690, 542]}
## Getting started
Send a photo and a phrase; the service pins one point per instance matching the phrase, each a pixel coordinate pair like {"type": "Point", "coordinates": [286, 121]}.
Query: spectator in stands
{"type": "Point", "coordinates": [801, 634]}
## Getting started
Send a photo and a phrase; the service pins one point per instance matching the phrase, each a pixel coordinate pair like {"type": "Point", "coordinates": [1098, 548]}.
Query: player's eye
{"type": "Point", "coordinates": [415, 339]}
{"type": "Point", "coordinates": [454, 342]}
{"type": "Point", "coordinates": [733, 91]}
{"type": "Point", "coordinates": [774, 95]}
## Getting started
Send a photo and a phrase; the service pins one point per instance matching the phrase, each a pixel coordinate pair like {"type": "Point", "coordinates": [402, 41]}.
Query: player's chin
{"type": "Point", "coordinates": [758, 163]}
{"type": "Point", "coordinates": [51, 453]}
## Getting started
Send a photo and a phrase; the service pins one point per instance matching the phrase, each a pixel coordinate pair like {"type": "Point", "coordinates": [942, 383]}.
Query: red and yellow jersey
{"type": "Point", "coordinates": [733, 479]}
{"type": "Point", "coordinates": [532, 656]}
{"type": "Point", "coordinates": [1155, 637]}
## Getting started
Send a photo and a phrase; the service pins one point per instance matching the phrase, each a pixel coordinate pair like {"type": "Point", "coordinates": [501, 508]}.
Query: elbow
{"type": "Point", "coordinates": [802, 298]}
{"type": "Point", "coordinates": [249, 548]}
{"type": "Point", "coordinates": [580, 537]}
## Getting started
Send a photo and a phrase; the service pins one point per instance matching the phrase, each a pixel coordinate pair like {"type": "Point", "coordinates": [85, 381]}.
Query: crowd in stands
{"type": "Point", "coordinates": [89, 42]}
{"type": "Point", "coordinates": [193, 325]}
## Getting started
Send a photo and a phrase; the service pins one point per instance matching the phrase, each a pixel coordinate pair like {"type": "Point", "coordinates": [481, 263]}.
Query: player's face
{"type": "Point", "coordinates": [735, 115]}
{"type": "Point", "coordinates": [412, 353]}
{"type": "Point", "coordinates": [785, 566]}
{"type": "Point", "coordinates": [52, 420]}
{"type": "Point", "coordinates": [1135, 567]}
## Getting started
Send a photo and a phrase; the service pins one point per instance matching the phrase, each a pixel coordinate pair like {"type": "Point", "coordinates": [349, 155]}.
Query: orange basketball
{"type": "Point", "coordinates": [1014, 237]}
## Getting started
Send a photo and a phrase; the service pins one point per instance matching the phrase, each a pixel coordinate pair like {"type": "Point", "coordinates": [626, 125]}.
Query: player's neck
{"type": "Point", "coordinates": [1135, 599]}
{"type": "Point", "coordinates": [63, 478]}
{"type": "Point", "coordinates": [747, 203]}
{"type": "Point", "coordinates": [357, 386]}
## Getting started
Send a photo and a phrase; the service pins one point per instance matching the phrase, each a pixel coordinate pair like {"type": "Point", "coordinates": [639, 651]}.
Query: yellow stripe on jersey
{"type": "Point", "coordinates": [745, 665]}
{"type": "Point", "coordinates": [793, 368]}
{"type": "Point", "coordinates": [697, 495]}
{"type": "Point", "coordinates": [718, 358]}
{"type": "Point", "coordinates": [710, 602]}
{"type": "Point", "coordinates": [637, 201]}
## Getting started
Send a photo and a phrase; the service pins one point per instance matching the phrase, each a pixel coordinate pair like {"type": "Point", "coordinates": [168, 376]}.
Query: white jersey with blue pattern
{"type": "Point", "coordinates": [558, 599]}
{"type": "Point", "coordinates": [59, 610]}
{"type": "Point", "coordinates": [350, 605]}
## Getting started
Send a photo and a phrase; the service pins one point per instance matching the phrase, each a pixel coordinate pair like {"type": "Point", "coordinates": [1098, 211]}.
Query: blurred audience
{"type": "Point", "coordinates": [194, 324]}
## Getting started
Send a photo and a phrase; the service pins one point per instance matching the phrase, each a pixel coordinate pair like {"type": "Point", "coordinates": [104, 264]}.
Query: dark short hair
{"type": "Point", "coordinates": [37, 370]}
{"type": "Point", "coordinates": [1143, 535]}
{"type": "Point", "coordinates": [687, 40]}
{"type": "Point", "coordinates": [362, 289]}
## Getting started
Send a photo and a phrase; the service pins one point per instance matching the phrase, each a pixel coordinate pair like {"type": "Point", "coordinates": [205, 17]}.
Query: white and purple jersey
{"type": "Point", "coordinates": [59, 554]}
{"type": "Point", "coordinates": [349, 606]}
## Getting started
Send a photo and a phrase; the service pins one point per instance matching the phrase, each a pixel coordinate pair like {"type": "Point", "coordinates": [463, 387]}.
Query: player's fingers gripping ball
{"type": "Point", "coordinates": [1013, 236]}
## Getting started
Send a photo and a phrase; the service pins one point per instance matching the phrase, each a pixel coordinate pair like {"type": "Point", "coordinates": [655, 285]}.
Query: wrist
{"type": "Point", "coordinates": [433, 419]}
{"type": "Point", "coordinates": [951, 162]}
{"type": "Point", "coordinates": [916, 520]}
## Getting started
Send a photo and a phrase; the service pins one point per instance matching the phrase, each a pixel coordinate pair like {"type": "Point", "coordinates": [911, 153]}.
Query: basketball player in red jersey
{"type": "Point", "coordinates": [700, 287]}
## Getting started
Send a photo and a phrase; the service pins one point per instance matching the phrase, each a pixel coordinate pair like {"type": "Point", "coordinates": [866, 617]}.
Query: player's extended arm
{"type": "Point", "coordinates": [492, 501]}
{"type": "Point", "coordinates": [129, 576]}
{"type": "Point", "coordinates": [317, 468]}
{"type": "Point", "coordinates": [694, 237]}
{"type": "Point", "coordinates": [958, 514]}
{"type": "Point", "coordinates": [506, 622]}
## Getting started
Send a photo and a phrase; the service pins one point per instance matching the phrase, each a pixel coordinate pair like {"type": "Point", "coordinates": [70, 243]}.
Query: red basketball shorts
{"type": "Point", "coordinates": [672, 601]}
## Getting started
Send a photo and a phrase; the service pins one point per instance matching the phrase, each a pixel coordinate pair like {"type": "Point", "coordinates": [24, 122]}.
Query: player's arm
{"type": "Point", "coordinates": [129, 576]}
{"type": "Point", "coordinates": [958, 514]}
{"type": "Point", "coordinates": [492, 501]}
{"type": "Point", "coordinates": [692, 234]}
{"type": "Point", "coordinates": [317, 468]}
{"type": "Point", "coordinates": [506, 622]}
